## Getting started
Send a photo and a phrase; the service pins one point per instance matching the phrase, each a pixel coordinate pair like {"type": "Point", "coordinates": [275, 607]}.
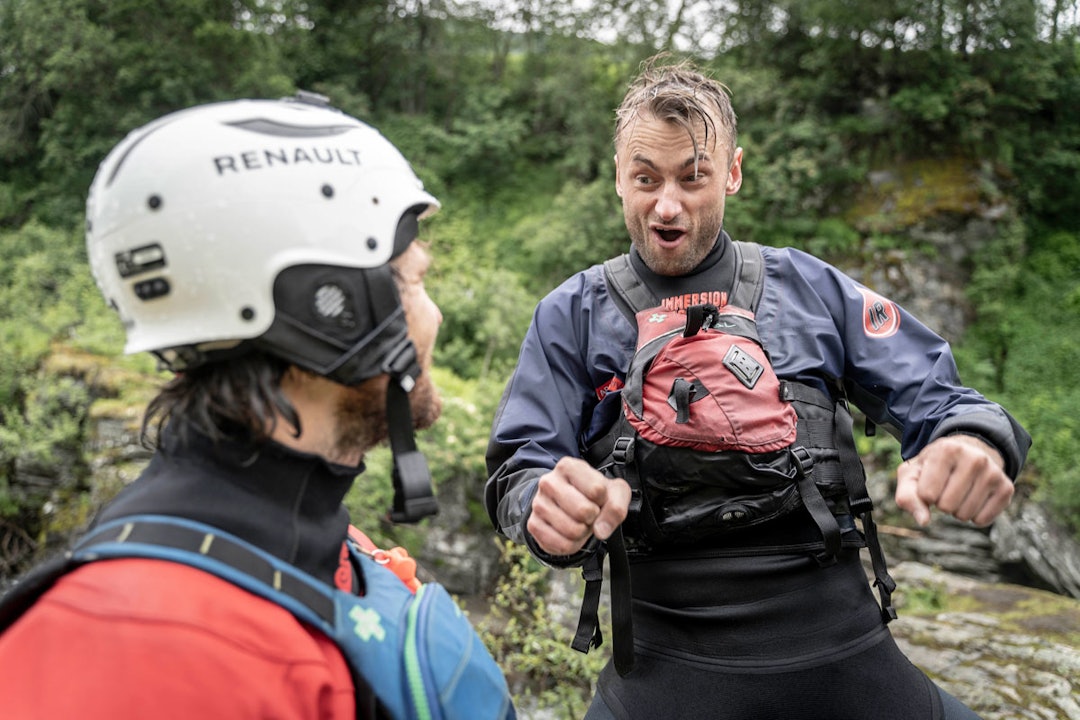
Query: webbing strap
{"type": "Point", "coordinates": [632, 295]}
{"type": "Point", "coordinates": [622, 626]}
{"type": "Point", "coordinates": [414, 498]}
{"type": "Point", "coordinates": [862, 507]}
{"type": "Point", "coordinates": [817, 507]}
{"type": "Point", "coordinates": [588, 634]}
{"type": "Point", "coordinates": [210, 545]}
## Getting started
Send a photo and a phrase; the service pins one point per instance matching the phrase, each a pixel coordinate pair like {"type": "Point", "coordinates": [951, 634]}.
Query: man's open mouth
{"type": "Point", "coordinates": [669, 235]}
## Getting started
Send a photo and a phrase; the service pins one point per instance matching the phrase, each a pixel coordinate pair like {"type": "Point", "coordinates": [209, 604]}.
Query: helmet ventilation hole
{"type": "Point", "coordinates": [329, 301]}
{"type": "Point", "coordinates": [328, 191]}
{"type": "Point", "coordinates": [247, 313]}
{"type": "Point", "coordinates": [372, 243]}
{"type": "Point", "coordinates": [154, 201]}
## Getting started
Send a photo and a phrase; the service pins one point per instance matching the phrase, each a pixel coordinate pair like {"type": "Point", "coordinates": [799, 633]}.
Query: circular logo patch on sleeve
{"type": "Point", "coordinates": [881, 317]}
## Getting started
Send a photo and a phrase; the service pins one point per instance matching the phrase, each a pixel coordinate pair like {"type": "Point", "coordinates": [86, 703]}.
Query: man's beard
{"type": "Point", "coordinates": [701, 240]}
{"type": "Point", "coordinates": [362, 422]}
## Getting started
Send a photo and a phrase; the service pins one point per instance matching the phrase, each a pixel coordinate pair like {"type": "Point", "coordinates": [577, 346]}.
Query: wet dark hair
{"type": "Point", "coordinates": [679, 93]}
{"type": "Point", "coordinates": [238, 397]}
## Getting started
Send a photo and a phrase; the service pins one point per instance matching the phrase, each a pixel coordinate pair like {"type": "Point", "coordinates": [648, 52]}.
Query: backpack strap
{"type": "Point", "coordinates": [748, 285]}
{"type": "Point", "coordinates": [839, 428]}
{"type": "Point", "coordinates": [632, 295]}
{"type": "Point", "coordinates": [862, 507]}
{"type": "Point", "coordinates": [629, 291]}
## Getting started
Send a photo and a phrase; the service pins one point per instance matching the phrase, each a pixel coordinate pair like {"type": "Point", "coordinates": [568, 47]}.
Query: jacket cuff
{"type": "Point", "coordinates": [1000, 431]}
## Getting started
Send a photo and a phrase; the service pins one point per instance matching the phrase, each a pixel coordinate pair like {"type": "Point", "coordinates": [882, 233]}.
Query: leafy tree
{"type": "Point", "coordinates": [81, 73]}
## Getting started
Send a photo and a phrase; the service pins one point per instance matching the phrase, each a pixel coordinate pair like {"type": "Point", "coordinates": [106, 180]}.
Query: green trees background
{"type": "Point", "coordinates": [505, 109]}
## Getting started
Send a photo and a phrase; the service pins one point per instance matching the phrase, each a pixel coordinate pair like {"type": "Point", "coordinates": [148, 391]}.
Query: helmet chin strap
{"type": "Point", "coordinates": [414, 498]}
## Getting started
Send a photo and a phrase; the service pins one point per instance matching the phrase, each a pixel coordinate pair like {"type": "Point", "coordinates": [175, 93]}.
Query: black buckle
{"type": "Point", "coordinates": [804, 461]}
{"type": "Point", "coordinates": [623, 450]}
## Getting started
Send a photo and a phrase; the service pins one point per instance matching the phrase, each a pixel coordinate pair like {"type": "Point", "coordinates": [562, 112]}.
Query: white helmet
{"type": "Point", "coordinates": [269, 221]}
{"type": "Point", "coordinates": [266, 224]}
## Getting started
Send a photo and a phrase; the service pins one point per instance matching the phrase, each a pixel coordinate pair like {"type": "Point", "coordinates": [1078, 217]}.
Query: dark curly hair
{"type": "Point", "coordinates": [221, 399]}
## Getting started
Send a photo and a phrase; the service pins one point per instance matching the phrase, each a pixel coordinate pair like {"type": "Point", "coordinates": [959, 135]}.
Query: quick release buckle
{"type": "Point", "coordinates": [623, 450]}
{"type": "Point", "coordinates": [804, 461]}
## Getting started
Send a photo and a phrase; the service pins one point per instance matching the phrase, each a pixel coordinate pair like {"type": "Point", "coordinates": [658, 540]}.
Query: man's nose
{"type": "Point", "coordinates": [669, 203]}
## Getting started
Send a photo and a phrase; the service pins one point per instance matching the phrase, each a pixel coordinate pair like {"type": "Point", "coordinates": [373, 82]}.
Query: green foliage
{"type": "Point", "coordinates": [584, 226]}
{"type": "Point", "coordinates": [81, 73]}
{"type": "Point", "coordinates": [833, 239]}
{"type": "Point", "coordinates": [530, 644]}
{"type": "Point", "coordinates": [923, 600]}
{"type": "Point", "coordinates": [485, 315]}
{"type": "Point", "coordinates": [1024, 346]}
{"type": "Point", "coordinates": [42, 281]}
{"type": "Point", "coordinates": [46, 438]}
{"type": "Point", "coordinates": [794, 171]}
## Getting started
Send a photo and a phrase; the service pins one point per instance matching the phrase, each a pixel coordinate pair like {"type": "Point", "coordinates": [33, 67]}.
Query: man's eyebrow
{"type": "Point", "coordinates": [698, 159]}
{"type": "Point", "coordinates": [690, 161]}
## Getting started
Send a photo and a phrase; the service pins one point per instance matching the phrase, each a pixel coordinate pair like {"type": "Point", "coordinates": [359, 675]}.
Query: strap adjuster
{"type": "Point", "coordinates": [623, 450]}
{"type": "Point", "coordinates": [804, 461]}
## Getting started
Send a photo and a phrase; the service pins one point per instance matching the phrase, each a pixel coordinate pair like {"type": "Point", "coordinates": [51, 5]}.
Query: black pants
{"type": "Point", "coordinates": [878, 683]}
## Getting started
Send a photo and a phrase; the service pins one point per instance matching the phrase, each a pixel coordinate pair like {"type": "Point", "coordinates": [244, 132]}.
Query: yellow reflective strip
{"type": "Point", "coordinates": [208, 540]}
{"type": "Point", "coordinates": [277, 579]}
{"type": "Point", "coordinates": [128, 527]}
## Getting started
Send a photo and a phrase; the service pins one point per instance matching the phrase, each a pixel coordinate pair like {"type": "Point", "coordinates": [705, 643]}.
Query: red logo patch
{"type": "Point", "coordinates": [612, 385]}
{"type": "Point", "coordinates": [881, 317]}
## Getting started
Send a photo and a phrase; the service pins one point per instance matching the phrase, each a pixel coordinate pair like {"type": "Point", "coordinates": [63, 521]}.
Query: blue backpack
{"type": "Point", "coordinates": [417, 652]}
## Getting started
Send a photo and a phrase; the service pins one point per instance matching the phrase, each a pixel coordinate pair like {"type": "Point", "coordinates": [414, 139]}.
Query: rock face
{"type": "Point", "coordinates": [1008, 652]}
{"type": "Point", "coordinates": [1027, 537]}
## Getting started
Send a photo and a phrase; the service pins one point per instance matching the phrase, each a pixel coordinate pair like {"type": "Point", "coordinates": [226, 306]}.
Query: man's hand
{"type": "Point", "coordinates": [959, 474]}
{"type": "Point", "coordinates": [574, 501]}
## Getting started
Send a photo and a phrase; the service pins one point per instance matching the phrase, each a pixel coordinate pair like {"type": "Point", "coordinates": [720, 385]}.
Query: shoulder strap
{"type": "Point", "coordinates": [749, 275]}
{"type": "Point", "coordinates": [629, 291]}
{"type": "Point", "coordinates": [632, 295]}
{"type": "Point", "coordinates": [179, 540]}
{"type": "Point", "coordinates": [212, 550]}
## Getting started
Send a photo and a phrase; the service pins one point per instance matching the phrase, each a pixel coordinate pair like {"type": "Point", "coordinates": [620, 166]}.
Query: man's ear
{"type": "Point", "coordinates": [734, 179]}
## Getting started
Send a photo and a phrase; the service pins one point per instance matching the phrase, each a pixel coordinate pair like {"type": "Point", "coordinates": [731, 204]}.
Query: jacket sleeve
{"type": "Point", "coordinates": [550, 404]}
{"type": "Point", "coordinates": [893, 367]}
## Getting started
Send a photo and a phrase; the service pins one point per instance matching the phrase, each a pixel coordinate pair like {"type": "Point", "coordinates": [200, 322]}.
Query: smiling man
{"type": "Point", "coordinates": [734, 615]}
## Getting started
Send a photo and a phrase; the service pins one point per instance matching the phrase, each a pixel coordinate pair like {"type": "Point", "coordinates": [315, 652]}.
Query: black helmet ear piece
{"type": "Point", "coordinates": [341, 323]}
{"type": "Point", "coordinates": [348, 324]}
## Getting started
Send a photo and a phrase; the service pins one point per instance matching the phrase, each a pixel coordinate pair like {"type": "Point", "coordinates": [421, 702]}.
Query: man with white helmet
{"type": "Point", "coordinates": [263, 251]}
